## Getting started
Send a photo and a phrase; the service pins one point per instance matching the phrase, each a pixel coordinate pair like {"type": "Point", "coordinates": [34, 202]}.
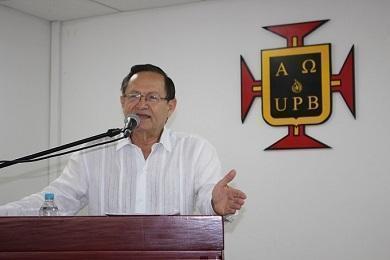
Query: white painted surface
{"type": "Point", "coordinates": [305, 204]}
{"type": "Point", "coordinates": [24, 101]}
{"type": "Point", "coordinates": [60, 10]}
{"type": "Point", "coordinates": [314, 204]}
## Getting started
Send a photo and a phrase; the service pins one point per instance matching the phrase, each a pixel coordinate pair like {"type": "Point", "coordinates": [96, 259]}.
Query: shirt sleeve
{"type": "Point", "coordinates": [70, 191]}
{"type": "Point", "coordinates": [208, 173]}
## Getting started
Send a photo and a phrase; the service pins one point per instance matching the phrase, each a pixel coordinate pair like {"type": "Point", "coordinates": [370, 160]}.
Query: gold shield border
{"type": "Point", "coordinates": [324, 49]}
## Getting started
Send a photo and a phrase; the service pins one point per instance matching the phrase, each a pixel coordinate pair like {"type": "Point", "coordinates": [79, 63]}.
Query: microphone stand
{"type": "Point", "coordinates": [109, 133]}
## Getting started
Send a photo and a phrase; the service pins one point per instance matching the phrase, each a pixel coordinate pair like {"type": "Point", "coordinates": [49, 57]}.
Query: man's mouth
{"type": "Point", "coordinates": [143, 116]}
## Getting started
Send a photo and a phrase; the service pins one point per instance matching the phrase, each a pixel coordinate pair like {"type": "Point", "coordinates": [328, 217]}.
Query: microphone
{"type": "Point", "coordinates": [131, 123]}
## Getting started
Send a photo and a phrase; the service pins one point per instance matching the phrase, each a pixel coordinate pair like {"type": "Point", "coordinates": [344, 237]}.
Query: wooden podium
{"type": "Point", "coordinates": [114, 237]}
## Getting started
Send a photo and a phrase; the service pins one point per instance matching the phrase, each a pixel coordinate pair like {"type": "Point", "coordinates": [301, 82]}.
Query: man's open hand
{"type": "Point", "coordinates": [227, 200]}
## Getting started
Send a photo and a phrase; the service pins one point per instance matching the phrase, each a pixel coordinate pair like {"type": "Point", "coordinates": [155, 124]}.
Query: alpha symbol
{"type": "Point", "coordinates": [281, 70]}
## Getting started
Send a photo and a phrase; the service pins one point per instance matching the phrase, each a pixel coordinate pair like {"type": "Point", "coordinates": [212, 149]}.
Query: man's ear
{"type": "Point", "coordinates": [171, 106]}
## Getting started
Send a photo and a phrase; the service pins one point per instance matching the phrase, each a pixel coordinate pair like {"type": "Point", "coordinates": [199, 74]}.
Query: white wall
{"type": "Point", "coordinates": [24, 101]}
{"type": "Point", "coordinates": [303, 204]}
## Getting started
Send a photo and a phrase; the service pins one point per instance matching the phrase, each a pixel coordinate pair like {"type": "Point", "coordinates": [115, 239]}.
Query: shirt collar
{"type": "Point", "coordinates": [122, 143]}
{"type": "Point", "coordinates": [165, 140]}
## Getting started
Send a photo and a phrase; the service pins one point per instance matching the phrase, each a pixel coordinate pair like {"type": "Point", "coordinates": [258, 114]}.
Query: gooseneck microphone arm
{"type": "Point", "coordinates": [109, 133]}
{"type": "Point", "coordinates": [131, 122]}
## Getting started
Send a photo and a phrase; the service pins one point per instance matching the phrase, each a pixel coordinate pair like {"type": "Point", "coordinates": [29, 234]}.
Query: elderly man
{"type": "Point", "coordinates": [154, 171]}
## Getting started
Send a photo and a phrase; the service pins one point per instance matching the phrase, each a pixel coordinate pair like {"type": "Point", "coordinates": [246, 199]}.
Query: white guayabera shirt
{"type": "Point", "coordinates": [176, 178]}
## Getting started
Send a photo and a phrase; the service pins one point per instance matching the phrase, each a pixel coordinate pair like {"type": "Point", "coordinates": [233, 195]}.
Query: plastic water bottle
{"type": "Point", "coordinates": [48, 207]}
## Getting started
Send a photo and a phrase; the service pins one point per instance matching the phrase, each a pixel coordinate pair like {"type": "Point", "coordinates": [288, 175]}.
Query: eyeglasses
{"type": "Point", "coordinates": [149, 97]}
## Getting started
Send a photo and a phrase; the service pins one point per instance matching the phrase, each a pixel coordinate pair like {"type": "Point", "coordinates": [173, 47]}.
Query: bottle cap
{"type": "Point", "coordinates": [49, 196]}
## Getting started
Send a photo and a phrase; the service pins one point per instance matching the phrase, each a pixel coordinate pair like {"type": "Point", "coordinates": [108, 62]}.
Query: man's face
{"type": "Point", "coordinates": [153, 115]}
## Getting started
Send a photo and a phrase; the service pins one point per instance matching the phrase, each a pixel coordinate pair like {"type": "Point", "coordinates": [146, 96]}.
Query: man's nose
{"type": "Point", "coordinates": [141, 102]}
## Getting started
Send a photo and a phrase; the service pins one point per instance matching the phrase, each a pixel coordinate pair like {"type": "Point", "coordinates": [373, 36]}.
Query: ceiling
{"type": "Point", "coordinates": [64, 10]}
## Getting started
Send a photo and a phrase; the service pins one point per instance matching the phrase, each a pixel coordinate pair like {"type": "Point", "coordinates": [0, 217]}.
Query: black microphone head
{"type": "Point", "coordinates": [131, 122]}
